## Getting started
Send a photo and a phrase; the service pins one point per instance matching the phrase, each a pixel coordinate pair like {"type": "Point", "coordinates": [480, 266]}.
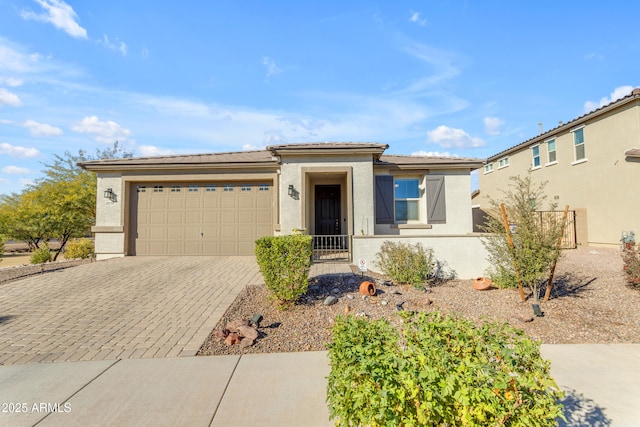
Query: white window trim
{"type": "Point", "coordinates": [485, 168]}
{"type": "Point", "coordinates": [550, 163]}
{"type": "Point", "coordinates": [533, 167]}
{"type": "Point", "coordinates": [503, 166]}
{"type": "Point", "coordinates": [422, 214]}
{"type": "Point", "coordinates": [546, 143]}
{"type": "Point", "coordinates": [577, 162]}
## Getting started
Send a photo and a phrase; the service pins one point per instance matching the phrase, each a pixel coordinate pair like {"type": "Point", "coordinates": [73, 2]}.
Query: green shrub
{"type": "Point", "coordinates": [1, 247]}
{"type": "Point", "coordinates": [284, 262]}
{"type": "Point", "coordinates": [79, 248]}
{"type": "Point", "coordinates": [438, 370]}
{"type": "Point", "coordinates": [41, 255]}
{"type": "Point", "coordinates": [406, 263]}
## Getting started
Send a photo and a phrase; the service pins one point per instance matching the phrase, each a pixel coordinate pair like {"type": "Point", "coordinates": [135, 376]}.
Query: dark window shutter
{"type": "Point", "coordinates": [436, 207]}
{"type": "Point", "coordinates": [384, 199]}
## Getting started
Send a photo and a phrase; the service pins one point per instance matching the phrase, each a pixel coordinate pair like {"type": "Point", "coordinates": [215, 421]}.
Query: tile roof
{"type": "Point", "coordinates": [634, 95]}
{"type": "Point", "coordinates": [428, 161]}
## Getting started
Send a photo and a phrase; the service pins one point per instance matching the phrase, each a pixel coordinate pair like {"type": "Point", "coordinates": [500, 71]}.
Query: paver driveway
{"type": "Point", "coordinates": [124, 308]}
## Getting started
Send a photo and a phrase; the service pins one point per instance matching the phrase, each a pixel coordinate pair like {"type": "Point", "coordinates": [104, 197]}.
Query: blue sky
{"type": "Point", "coordinates": [464, 78]}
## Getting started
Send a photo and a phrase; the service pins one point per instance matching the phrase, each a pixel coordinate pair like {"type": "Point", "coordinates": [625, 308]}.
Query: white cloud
{"type": "Point", "coordinates": [493, 125]}
{"type": "Point", "coordinates": [10, 81]}
{"type": "Point", "coordinates": [251, 147]}
{"type": "Point", "coordinates": [16, 151]}
{"type": "Point", "coordinates": [9, 98]}
{"type": "Point", "coordinates": [107, 132]}
{"type": "Point", "coordinates": [619, 92]}
{"type": "Point", "coordinates": [152, 150]}
{"type": "Point", "coordinates": [26, 181]}
{"type": "Point", "coordinates": [594, 56]}
{"type": "Point", "coordinates": [117, 45]}
{"type": "Point", "coordinates": [423, 153]}
{"type": "Point", "coordinates": [453, 138]}
{"type": "Point", "coordinates": [58, 13]}
{"type": "Point", "coordinates": [41, 129]}
{"type": "Point", "coordinates": [272, 68]}
{"type": "Point", "coordinates": [416, 18]}
{"type": "Point", "coordinates": [15, 170]}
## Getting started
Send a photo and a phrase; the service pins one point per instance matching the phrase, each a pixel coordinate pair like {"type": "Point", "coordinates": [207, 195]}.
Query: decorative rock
{"type": "Point", "coordinates": [384, 302]}
{"type": "Point", "coordinates": [524, 318]}
{"type": "Point", "coordinates": [335, 290]}
{"type": "Point", "coordinates": [350, 296]}
{"type": "Point", "coordinates": [330, 300]}
{"type": "Point", "coordinates": [347, 309]}
{"type": "Point", "coordinates": [364, 298]}
{"type": "Point", "coordinates": [248, 332]}
{"type": "Point", "coordinates": [221, 334]}
{"type": "Point", "coordinates": [361, 314]}
{"type": "Point", "coordinates": [235, 324]}
{"type": "Point", "coordinates": [246, 342]}
{"type": "Point", "coordinates": [232, 339]}
{"type": "Point", "coordinates": [427, 301]}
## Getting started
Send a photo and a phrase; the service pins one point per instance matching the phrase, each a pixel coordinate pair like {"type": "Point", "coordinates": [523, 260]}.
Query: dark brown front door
{"type": "Point", "coordinates": [327, 209]}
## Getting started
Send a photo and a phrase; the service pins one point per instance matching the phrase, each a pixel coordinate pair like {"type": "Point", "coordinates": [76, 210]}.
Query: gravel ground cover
{"type": "Point", "coordinates": [590, 304]}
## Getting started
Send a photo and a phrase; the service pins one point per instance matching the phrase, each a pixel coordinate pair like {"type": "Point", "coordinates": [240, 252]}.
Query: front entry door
{"type": "Point", "coordinates": [328, 210]}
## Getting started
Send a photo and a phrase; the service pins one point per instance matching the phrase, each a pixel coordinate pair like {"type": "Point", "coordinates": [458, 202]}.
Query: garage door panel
{"type": "Point", "coordinates": [201, 219]}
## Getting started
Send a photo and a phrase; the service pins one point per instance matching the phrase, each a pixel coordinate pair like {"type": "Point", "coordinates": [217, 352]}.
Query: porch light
{"type": "Point", "coordinates": [291, 192]}
{"type": "Point", "coordinates": [109, 194]}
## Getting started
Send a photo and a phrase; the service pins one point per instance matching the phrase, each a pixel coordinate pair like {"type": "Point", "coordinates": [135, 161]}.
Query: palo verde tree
{"type": "Point", "coordinates": [60, 205]}
{"type": "Point", "coordinates": [535, 237]}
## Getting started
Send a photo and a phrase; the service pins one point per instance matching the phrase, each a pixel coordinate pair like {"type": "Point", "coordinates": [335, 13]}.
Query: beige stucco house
{"type": "Point", "coordinates": [591, 163]}
{"type": "Point", "coordinates": [349, 195]}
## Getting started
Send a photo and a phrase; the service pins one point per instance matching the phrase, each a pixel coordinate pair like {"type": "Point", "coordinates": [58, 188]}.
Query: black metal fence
{"type": "Point", "coordinates": [331, 248]}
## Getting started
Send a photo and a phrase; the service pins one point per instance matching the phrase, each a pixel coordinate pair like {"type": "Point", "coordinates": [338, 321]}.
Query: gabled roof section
{"type": "Point", "coordinates": [213, 160]}
{"type": "Point", "coordinates": [395, 161]}
{"type": "Point", "coordinates": [632, 152]}
{"type": "Point", "coordinates": [632, 97]}
{"type": "Point", "coordinates": [328, 148]}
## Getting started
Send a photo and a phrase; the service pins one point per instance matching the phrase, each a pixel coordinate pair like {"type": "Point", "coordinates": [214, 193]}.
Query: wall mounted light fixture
{"type": "Point", "coordinates": [291, 190]}
{"type": "Point", "coordinates": [109, 194]}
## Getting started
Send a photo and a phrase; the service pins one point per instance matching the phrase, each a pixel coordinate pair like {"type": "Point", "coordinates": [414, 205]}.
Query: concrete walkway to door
{"type": "Point", "coordinates": [124, 308]}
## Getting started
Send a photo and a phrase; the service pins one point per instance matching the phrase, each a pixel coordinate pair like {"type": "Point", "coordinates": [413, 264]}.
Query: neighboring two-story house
{"type": "Point", "coordinates": [350, 196]}
{"type": "Point", "coordinates": [591, 163]}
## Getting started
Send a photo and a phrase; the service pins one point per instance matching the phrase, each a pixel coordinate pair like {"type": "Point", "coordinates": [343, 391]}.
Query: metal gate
{"type": "Point", "coordinates": [332, 248]}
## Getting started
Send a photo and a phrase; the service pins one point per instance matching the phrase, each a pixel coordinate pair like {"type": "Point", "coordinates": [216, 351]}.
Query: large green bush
{"type": "Point", "coordinates": [438, 371]}
{"type": "Point", "coordinates": [406, 263]}
{"type": "Point", "coordinates": [40, 255]}
{"type": "Point", "coordinates": [79, 248]}
{"type": "Point", "coordinates": [284, 262]}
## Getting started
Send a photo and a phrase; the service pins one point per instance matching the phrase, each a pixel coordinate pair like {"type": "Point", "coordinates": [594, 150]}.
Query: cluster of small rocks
{"type": "Point", "coordinates": [238, 331]}
{"type": "Point", "coordinates": [590, 304]}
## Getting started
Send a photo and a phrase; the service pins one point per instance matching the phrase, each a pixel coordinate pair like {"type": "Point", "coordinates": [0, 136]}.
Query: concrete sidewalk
{"type": "Point", "coordinates": [284, 389]}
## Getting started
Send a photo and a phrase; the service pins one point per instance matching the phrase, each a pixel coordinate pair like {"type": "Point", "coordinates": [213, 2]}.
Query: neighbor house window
{"type": "Point", "coordinates": [578, 142]}
{"type": "Point", "coordinates": [488, 168]}
{"type": "Point", "coordinates": [503, 162]}
{"type": "Point", "coordinates": [535, 152]}
{"type": "Point", "coordinates": [551, 150]}
{"type": "Point", "coordinates": [407, 199]}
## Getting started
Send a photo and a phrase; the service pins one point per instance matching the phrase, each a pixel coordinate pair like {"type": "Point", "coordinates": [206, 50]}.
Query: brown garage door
{"type": "Point", "coordinates": [221, 218]}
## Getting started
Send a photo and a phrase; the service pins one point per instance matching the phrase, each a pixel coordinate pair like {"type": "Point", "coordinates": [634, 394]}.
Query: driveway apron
{"type": "Point", "coordinates": [123, 308]}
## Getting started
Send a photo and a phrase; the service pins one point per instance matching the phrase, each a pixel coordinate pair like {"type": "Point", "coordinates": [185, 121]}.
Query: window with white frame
{"type": "Point", "coordinates": [578, 142]}
{"type": "Point", "coordinates": [407, 199]}
{"type": "Point", "coordinates": [535, 153]}
{"type": "Point", "coordinates": [503, 162]}
{"type": "Point", "coordinates": [551, 150]}
{"type": "Point", "coordinates": [488, 168]}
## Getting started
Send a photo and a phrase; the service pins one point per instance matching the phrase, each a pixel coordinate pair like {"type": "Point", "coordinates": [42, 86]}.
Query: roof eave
{"type": "Point", "coordinates": [177, 166]}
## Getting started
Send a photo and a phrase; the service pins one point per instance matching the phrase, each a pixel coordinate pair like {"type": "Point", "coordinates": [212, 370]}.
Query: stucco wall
{"type": "Point", "coordinates": [296, 213]}
{"type": "Point", "coordinates": [463, 254]}
{"type": "Point", "coordinates": [603, 185]}
{"type": "Point", "coordinates": [109, 228]}
{"type": "Point", "coordinates": [458, 205]}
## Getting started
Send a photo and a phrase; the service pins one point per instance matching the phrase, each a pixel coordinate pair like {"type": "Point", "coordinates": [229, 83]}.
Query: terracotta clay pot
{"type": "Point", "coordinates": [481, 284]}
{"type": "Point", "coordinates": [368, 288]}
